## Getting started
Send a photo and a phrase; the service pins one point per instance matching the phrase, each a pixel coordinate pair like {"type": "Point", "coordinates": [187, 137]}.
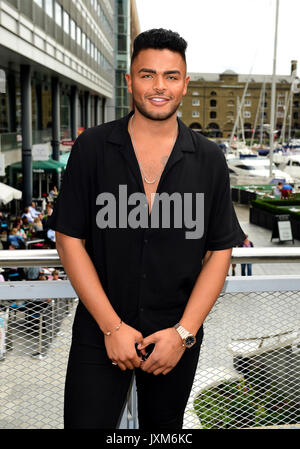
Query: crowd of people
{"type": "Point", "coordinates": [28, 229]}
{"type": "Point", "coordinates": [29, 225]}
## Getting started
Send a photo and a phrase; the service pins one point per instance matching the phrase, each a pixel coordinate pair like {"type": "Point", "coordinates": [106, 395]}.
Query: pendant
{"type": "Point", "coordinates": [149, 182]}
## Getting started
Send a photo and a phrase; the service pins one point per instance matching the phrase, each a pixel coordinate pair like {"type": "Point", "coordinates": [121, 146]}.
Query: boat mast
{"type": "Point", "coordinates": [273, 92]}
{"type": "Point", "coordinates": [262, 114]}
{"type": "Point", "coordinates": [286, 105]}
{"type": "Point", "coordinates": [240, 105]}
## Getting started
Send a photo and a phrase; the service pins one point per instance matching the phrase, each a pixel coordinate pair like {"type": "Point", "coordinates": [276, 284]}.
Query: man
{"type": "Point", "coordinates": [142, 297]}
{"type": "Point", "coordinates": [32, 210]}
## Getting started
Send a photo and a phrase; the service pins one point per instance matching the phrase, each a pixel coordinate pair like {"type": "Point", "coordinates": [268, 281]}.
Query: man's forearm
{"type": "Point", "coordinates": [84, 279]}
{"type": "Point", "coordinates": [206, 289]}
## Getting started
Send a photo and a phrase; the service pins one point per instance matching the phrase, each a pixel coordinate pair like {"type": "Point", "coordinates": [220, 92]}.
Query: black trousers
{"type": "Point", "coordinates": [96, 391]}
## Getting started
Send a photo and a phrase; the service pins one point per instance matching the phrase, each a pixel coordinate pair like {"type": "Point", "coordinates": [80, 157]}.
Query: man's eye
{"type": "Point", "coordinates": [172, 77]}
{"type": "Point", "coordinates": [147, 76]}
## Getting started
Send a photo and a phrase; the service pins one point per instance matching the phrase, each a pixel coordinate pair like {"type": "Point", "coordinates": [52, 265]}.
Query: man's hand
{"type": "Point", "coordinates": [167, 351]}
{"type": "Point", "coordinates": [120, 347]}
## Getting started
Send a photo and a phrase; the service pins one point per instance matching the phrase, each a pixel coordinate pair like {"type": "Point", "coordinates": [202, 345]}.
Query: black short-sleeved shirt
{"type": "Point", "coordinates": [147, 272]}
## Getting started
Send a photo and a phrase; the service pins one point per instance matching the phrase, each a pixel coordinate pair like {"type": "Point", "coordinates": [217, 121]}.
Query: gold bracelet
{"type": "Point", "coordinates": [115, 329]}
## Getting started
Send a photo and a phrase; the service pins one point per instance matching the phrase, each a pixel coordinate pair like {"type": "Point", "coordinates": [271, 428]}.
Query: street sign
{"type": "Point", "coordinates": [68, 142]}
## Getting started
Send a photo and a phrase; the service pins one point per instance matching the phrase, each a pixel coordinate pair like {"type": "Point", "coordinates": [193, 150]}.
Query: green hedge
{"type": "Point", "coordinates": [274, 206]}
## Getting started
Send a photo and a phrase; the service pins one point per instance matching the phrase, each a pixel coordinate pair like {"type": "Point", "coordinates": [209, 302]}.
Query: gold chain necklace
{"type": "Point", "coordinates": [134, 147]}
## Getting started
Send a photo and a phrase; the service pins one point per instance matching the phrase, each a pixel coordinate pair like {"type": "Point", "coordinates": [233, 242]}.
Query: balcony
{"type": "Point", "coordinates": [247, 373]}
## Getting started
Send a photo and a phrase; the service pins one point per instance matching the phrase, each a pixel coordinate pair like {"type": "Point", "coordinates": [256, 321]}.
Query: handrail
{"type": "Point", "coordinates": [50, 257]}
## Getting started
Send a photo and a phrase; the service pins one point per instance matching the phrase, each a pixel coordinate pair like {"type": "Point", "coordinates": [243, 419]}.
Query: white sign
{"type": "Point", "coordinates": [40, 152]}
{"type": "Point", "coordinates": [2, 165]}
{"type": "Point", "coordinates": [285, 231]}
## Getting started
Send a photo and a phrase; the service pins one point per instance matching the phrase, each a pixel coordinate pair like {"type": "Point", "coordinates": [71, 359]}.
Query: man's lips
{"type": "Point", "coordinates": [158, 101]}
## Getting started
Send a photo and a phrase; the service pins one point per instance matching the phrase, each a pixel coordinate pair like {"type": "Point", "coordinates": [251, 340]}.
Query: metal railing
{"type": "Point", "coordinates": [248, 369]}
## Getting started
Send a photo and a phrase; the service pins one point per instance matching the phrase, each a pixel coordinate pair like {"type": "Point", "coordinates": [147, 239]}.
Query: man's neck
{"type": "Point", "coordinates": [154, 128]}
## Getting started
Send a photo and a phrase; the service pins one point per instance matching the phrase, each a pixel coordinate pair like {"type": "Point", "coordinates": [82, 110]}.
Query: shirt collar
{"type": "Point", "coordinates": [119, 134]}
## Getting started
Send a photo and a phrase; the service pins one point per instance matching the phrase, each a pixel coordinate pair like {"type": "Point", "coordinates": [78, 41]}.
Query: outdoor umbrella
{"type": "Point", "coordinates": [8, 193]}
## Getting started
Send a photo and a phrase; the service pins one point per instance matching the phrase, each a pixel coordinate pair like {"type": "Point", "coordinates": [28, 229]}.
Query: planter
{"type": "Point", "coordinates": [266, 218]}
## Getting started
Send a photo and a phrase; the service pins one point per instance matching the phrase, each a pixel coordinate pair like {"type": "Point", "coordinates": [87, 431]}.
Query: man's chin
{"type": "Point", "coordinates": [157, 116]}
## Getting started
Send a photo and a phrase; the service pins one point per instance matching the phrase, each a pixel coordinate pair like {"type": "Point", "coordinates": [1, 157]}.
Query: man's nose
{"type": "Point", "coordinates": [159, 84]}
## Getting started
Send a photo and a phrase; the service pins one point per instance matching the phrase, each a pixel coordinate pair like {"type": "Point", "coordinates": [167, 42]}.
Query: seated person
{"type": "Point", "coordinates": [34, 213]}
{"type": "Point", "coordinates": [27, 214]}
{"type": "Point", "coordinates": [15, 239]}
{"type": "Point", "coordinates": [286, 191]}
{"type": "Point", "coordinates": [37, 224]}
{"type": "Point", "coordinates": [18, 224]}
{"type": "Point", "coordinates": [277, 190]}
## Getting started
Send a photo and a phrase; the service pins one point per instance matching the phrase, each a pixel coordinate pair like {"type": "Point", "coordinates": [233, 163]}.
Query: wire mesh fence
{"type": "Point", "coordinates": [247, 376]}
{"type": "Point", "coordinates": [248, 371]}
{"type": "Point", "coordinates": [34, 343]}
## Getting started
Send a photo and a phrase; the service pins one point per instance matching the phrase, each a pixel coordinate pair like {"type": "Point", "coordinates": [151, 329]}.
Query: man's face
{"type": "Point", "coordinates": [157, 82]}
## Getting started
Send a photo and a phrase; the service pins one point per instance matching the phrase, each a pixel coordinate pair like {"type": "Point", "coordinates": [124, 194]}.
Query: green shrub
{"type": "Point", "coordinates": [240, 404]}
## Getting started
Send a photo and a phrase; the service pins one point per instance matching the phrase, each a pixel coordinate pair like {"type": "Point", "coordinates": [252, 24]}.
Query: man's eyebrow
{"type": "Point", "coordinates": [167, 72]}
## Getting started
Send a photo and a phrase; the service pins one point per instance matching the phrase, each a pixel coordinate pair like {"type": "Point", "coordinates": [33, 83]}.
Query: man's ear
{"type": "Point", "coordinates": [186, 82]}
{"type": "Point", "coordinates": [129, 82]}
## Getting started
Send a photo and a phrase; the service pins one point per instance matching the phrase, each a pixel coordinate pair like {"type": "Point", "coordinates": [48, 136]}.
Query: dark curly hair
{"type": "Point", "coordinates": [159, 39]}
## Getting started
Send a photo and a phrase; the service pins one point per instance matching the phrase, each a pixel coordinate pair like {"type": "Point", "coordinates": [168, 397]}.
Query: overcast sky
{"type": "Point", "coordinates": [229, 34]}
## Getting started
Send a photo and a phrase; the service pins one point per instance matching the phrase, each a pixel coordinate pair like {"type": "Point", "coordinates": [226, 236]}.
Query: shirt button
{"type": "Point", "coordinates": [144, 275]}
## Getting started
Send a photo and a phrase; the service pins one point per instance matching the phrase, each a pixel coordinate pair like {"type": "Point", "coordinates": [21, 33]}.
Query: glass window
{"type": "Point", "coordinates": [196, 102]}
{"type": "Point", "coordinates": [73, 29]}
{"type": "Point", "coordinates": [78, 35]}
{"type": "Point", "coordinates": [83, 41]}
{"type": "Point", "coordinates": [49, 7]}
{"type": "Point", "coordinates": [58, 14]}
{"type": "Point", "coordinates": [195, 114]}
{"type": "Point", "coordinates": [213, 103]}
{"type": "Point", "coordinates": [66, 22]}
{"type": "Point", "coordinates": [88, 46]}
{"type": "Point", "coordinates": [213, 114]}
{"type": "Point", "coordinates": [39, 3]}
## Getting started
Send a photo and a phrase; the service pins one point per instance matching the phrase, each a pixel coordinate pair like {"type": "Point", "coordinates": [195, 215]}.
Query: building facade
{"type": "Point", "coordinates": [213, 101]}
{"type": "Point", "coordinates": [58, 61]}
{"type": "Point", "coordinates": [128, 27]}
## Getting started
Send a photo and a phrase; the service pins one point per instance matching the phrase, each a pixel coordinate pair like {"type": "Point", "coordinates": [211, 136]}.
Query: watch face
{"type": "Point", "coordinates": [190, 341]}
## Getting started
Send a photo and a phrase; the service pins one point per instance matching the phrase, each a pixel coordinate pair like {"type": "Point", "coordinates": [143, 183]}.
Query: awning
{"type": "Point", "coordinates": [8, 193]}
{"type": "Point", "coordinates": [41, 166]}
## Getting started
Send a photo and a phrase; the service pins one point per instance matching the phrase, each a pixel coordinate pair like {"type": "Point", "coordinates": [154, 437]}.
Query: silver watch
{"type": "Point", "coordinates": [188, 339]}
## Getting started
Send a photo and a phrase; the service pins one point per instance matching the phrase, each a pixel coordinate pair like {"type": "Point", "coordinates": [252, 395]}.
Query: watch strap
{"type": "Point", "coordinates": [182, 331]}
